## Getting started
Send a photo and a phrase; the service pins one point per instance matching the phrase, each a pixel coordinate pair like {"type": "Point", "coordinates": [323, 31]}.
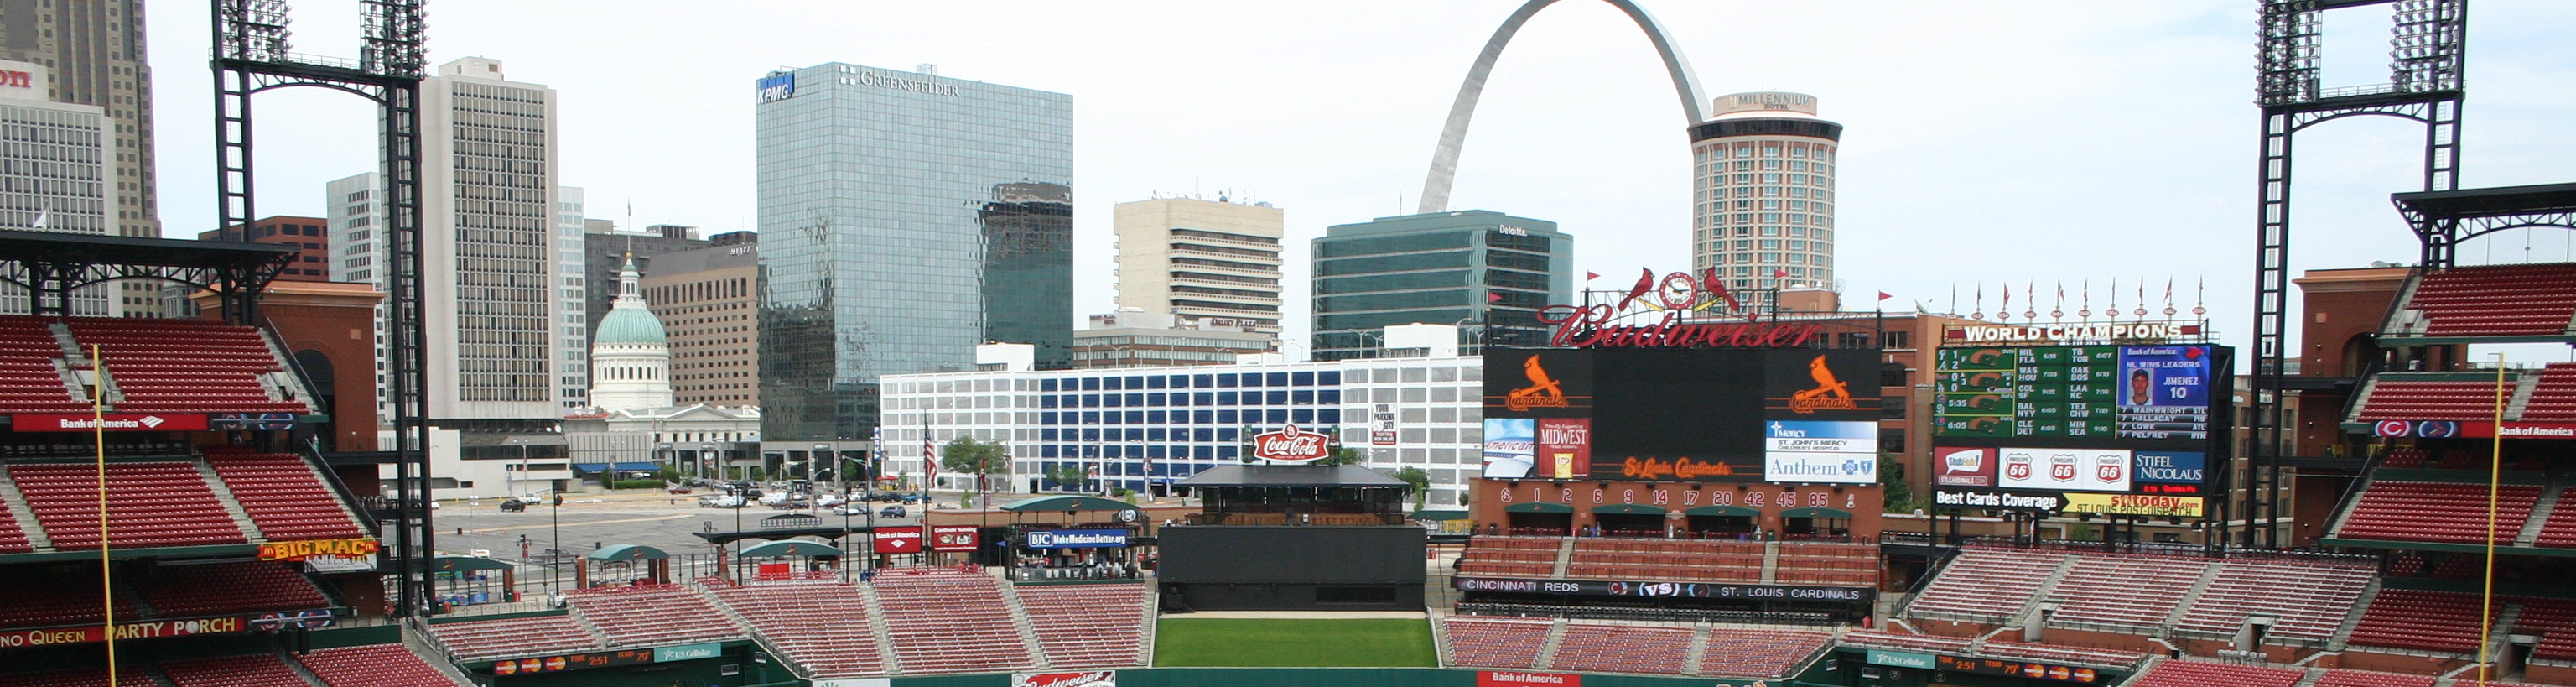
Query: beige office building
{"type": "Point", "coordinates": [1764, 203]}
{"type": "Point", "coordinates": [708, 302]}
{"type": "Point", "coordinates": [1216, 262]}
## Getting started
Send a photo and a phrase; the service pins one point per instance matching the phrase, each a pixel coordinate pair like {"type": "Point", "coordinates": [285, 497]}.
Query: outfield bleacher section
{"type": "Point", "coordinates": [2443, 512]}
{"type": "Point", "coordinates": [2516, 300]}
{"type": "Point", "coordinates": [482, 640]}
{"type": "Point", "coordinates": [1986, 584]}
{"type": "Point", "coordinates": [1088, 625]}
{"type": "Point", "coordinates": [1673, 559]}
{"type": "Point", "coordinates": [652, 615]}
{"type": "Point", "coordinates": [2143, 595]}
{"type": "Point", "coordinates": [923, 621]}
{"type": "Point", "coordinates": [1495, 642]}
{"type": "Point", "coordinates": [1604, 648]}
{"type": "Point", "coordinates": [945, 620]}
{"type": "Point", "coordinates": [2307, 601]}
{"type": "Point", "coordinates": [2179, 673]}
{"type": "Point", "coordinates": [160, 503]}
{"type": "Point", "coordinates": [821, 626]}
{"type": "Point", "coordinates": [282, 494]}
{"type": "Point", "coordinates": [380, 665]}
{"type": "Point", "coordinates": [1762, 653]}
{"type": "Point", "coordinates": [253, 670]}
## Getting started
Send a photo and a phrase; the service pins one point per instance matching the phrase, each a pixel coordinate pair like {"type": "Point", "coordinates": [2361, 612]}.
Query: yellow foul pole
{"type": "Point", "coordinates": [2495, 476]}
{"type": "Point", "coordinates": [106, 578]}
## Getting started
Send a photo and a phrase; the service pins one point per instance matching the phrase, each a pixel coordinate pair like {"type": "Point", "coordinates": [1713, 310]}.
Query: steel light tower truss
{"type": "Point", "coordinates": [2427, 47]}
{"type": "Point", "coordinates": [252, 55]}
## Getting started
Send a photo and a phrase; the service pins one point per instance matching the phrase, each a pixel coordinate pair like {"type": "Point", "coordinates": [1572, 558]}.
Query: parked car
{"type": "Point", "coordinates": [851, 509]}
{"type": "Point", "coordinates": [513, 505]}
{"type": "Point", "coordinates": [682, 490]}
{"type": "Point", "coordinates": [892, 512]}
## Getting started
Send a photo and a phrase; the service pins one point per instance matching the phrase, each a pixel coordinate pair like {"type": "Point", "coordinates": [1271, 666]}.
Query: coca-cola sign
{"type": "Point", "coordinates": [1291, 446]}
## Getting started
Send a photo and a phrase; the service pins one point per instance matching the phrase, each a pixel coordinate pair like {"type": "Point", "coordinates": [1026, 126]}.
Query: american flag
{"type": "Point", "coordinates": [929, 459]}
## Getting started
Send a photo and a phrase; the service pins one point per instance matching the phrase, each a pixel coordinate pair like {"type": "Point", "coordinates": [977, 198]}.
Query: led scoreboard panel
{"type": "Point", "coordinates": [2128, 392]}
{"type": "Point", "coordinates": [2115, 429]}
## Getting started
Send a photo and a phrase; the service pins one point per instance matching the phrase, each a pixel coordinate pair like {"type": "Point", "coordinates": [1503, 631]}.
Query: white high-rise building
{"type": "Point", "coordinates": [1212, 261]}
{"type": "Point", "coordinates": [569, 283]}
{"type": "Point", "coordinates": [56, 174]}
{"type": "Point", "coordinates": [491, 227]}
{"type": "Point", "coordinates": [1764, 192]}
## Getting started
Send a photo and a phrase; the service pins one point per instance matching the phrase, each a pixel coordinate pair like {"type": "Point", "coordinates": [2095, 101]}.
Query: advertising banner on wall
{"type": "Point", "coordinates": [952, 537]}
{"type": "Point", "coordinates": [2024, 669]}
{"type": "Point", "coordinates": [1077, 539]}
{"type": "Point", "coordinates": [1963, 467]}
{"type": "Point", "coordinates": [113, 422]}
{"type": "Point", "coordinates": [905, 539]}
{"type": "Point", "coordinates": [1826, 452]}
{"type": "Point", "coordinates": [2134, 504]}
{"type": "Point", "coordinates": [2170, 472]}
{"type": "Point", "coordinates": [1511, 447]}
{"type": "Point", "coordinates": [1564, 449]}
{"type": "Point", "coordinates": [1515, 678]}
{"type": "Point", "coordinates": [1678, 590]}
{"type": "Point", "coordinates": [1097, 678]}
{"type": "Point", "coordinates": [2064, 469]}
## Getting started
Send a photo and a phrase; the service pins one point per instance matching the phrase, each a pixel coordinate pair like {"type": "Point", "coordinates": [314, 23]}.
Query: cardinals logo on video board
{"type": "Point", "coordinates": [1543, 392]}
{"type": "Point", "coordinates": [1831, 393]}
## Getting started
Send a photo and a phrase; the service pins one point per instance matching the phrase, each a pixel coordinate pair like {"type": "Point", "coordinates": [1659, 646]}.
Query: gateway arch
{"type": "Point", "coordinates": [1444, 159]}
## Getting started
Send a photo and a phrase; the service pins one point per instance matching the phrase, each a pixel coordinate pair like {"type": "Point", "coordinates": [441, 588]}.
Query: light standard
{"type": "Point", "coordinates": [706, 455]}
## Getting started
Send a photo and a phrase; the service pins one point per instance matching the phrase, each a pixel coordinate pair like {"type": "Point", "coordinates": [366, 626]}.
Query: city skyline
{"type": "Point", "coordinates": [2147, 130]}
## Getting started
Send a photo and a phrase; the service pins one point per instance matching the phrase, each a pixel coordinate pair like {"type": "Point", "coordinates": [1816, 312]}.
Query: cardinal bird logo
{"type": "Point", "coordinates": [1543, 392]}
{"type": "Point", "coordinates": [1831, 393]}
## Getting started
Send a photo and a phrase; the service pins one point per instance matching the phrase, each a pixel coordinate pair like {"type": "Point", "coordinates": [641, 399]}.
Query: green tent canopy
{"type": "Point", "coordinates": [791, 547]}
{"type": "Point", "coordinates": [1815, 513]}
{"type": "Point", "coordinates": [1439, 515]}
{"type": "Point", "coordinates": [1728, 511]}
{"type": "Point", "coordinates": [465, 563]}
{"type": "Point", "coordinates": [1535, 507]}
{"type": "Point", "coordinates": [1627, 509]}
{"type": "Point", "coordinates": [629, 552]}
{"type": "Point", "coordinates": [1068, 502]}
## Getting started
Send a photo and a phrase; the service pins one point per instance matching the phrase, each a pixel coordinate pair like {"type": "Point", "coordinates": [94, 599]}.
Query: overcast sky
{"type": "Point", "coordinates": [1986, 142]}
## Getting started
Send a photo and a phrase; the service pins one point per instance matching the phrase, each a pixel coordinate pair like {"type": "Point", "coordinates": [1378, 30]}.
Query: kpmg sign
{"type": "Point", "coordinates": [777, 87]}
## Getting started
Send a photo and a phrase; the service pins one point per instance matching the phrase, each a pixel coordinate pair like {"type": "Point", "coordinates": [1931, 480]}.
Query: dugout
{"type": "Point", "coordinates": [1294, 537]}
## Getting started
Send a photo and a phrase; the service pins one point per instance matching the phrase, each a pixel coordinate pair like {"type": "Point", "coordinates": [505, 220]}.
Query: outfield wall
{"type": "Point", "coordinates": [1325, 677]}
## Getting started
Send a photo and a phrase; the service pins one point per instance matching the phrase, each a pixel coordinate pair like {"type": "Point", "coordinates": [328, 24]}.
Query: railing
{"type": "Point", "coordinates": [1088, 572]}
{"type": "Point", "coordinates": [1678, 615]}
{"type": "Point", "coordinates": [1281, 519]}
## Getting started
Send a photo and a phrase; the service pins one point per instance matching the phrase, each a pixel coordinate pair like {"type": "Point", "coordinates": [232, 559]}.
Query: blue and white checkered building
{"type": "Point", "coordinates": [1153, 426]}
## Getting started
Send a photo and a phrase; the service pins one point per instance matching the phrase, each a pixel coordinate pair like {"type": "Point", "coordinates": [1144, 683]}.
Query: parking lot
{"type": "Point", "coordinates": [586, 522]}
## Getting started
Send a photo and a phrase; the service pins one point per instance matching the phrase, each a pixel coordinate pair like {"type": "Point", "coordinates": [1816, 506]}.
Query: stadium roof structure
{"type": "Point", "coordinates": [1068, 503]}
{"type": "Point", "coordinates": [2443, 219]}
{"type": "Point", "coordinates": [1291, 476]}
{"type": "Point", "coordinates": [51, 264]}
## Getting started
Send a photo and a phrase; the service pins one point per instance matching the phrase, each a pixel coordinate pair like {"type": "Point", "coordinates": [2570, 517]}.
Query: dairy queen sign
{"type": "Point", "coordinates": [1291, 446]}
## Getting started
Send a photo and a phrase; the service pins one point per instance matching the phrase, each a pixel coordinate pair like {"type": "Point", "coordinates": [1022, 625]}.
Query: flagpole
{"type": "Point", "coordinates": [2495, 467]}
{"type": "Point", "coordinates": [106, 576]}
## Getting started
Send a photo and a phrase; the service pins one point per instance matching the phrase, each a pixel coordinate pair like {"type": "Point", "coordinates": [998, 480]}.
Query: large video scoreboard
{"type": "Point", "coordinates": [2126, 392]}
{"type": "Point", "coordinates": [2114, 429]}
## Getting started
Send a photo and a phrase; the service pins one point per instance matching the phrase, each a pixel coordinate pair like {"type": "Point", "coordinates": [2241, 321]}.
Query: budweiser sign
{"type": "Point", "coordinates": [1290, 445]}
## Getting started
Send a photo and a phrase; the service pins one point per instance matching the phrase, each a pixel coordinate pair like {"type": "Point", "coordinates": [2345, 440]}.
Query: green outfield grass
{"type": "Point", "coordinates": [1302, 643]}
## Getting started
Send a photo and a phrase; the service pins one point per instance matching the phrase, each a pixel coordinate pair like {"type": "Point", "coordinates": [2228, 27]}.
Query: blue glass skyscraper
{"type": "Point", "coordinates": [905, 218]}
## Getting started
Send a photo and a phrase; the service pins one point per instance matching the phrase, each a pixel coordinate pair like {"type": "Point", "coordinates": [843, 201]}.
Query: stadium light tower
{"type": "Point", "coordinates": [2427, 49]}
{"type": "Point", "coordinates": [252, 55]}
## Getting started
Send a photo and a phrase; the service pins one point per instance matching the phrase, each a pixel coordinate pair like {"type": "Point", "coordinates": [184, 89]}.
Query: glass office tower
{"type": "Point", "coordinates": [1486, 272]}
{"type": "Point", "coordinates": [905, 217]}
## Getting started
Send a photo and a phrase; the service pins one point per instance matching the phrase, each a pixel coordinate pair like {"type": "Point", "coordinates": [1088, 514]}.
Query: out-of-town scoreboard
{"type": "Point", "coordinates": [2113, 426]}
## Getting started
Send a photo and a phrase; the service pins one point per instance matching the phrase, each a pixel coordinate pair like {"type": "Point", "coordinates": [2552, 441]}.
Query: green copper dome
{"type": "Point", "coordinates": [629, 325]}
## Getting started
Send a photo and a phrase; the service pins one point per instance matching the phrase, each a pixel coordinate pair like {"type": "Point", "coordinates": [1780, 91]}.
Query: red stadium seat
{"type": "Point", "coordinates": [381, 665]}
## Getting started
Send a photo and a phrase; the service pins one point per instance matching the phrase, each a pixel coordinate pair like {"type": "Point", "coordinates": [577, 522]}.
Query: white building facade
{"type": "Point", "coordinates": [491, 223]}
{"type": "Point", "coordinates": [571, 323]}
{"type": "Point", "coordinates": [1209, 261]}
{"type": "Point", "coordinates": [1142, 429]}
{"type": "Point", "coordinates": [57, 174]}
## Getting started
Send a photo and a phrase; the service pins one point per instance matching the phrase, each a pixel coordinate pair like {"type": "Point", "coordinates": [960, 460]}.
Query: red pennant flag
{"type": "Point", "coordinates": [1589, 276]}
{"type": "Point", "coordinates": [1491, 297]}
{"type": "Point", "coordinates": [1779, 274]}
{"type": "Point", "coordinates": [1882, 295]}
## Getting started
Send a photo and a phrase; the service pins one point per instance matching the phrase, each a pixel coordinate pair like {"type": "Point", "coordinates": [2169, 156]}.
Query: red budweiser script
{"type": "Point", "coordinates": [1102, 678]}
{"type": "Point", "coordinates": [1589, 328]}
{"type": "Point", "coordinates": [1290, 445]}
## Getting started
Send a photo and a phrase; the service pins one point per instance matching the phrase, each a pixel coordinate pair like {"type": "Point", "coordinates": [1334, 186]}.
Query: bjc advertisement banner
{"type": "Point", "coordinates": [1514, 678]}
{"type": "Point", "coordinates": [952, 537]}
{"type": "Point", "coordinates": [906, 539]}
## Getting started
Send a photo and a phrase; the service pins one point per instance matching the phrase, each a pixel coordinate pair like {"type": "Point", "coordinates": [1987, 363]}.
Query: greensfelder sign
{"type": "Point", "coordinates": [1900, 659]}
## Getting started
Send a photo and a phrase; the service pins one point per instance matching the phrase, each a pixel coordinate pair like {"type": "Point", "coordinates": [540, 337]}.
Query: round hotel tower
{"type": "Point", "coordinates": [1764, 191]}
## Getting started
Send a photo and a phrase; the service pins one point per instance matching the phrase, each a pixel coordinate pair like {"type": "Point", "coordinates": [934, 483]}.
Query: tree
{"type": "Point", "coordinates": [966, 455]}
{"type": "Point", "coordinates": [1069, 477]}
{"type": "Point", "coordinates": [1420, 481]}
{"type": "Point", "coordinates": [1343, 455]}
{"type": "Point", "coordinates": [1896, 496]}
